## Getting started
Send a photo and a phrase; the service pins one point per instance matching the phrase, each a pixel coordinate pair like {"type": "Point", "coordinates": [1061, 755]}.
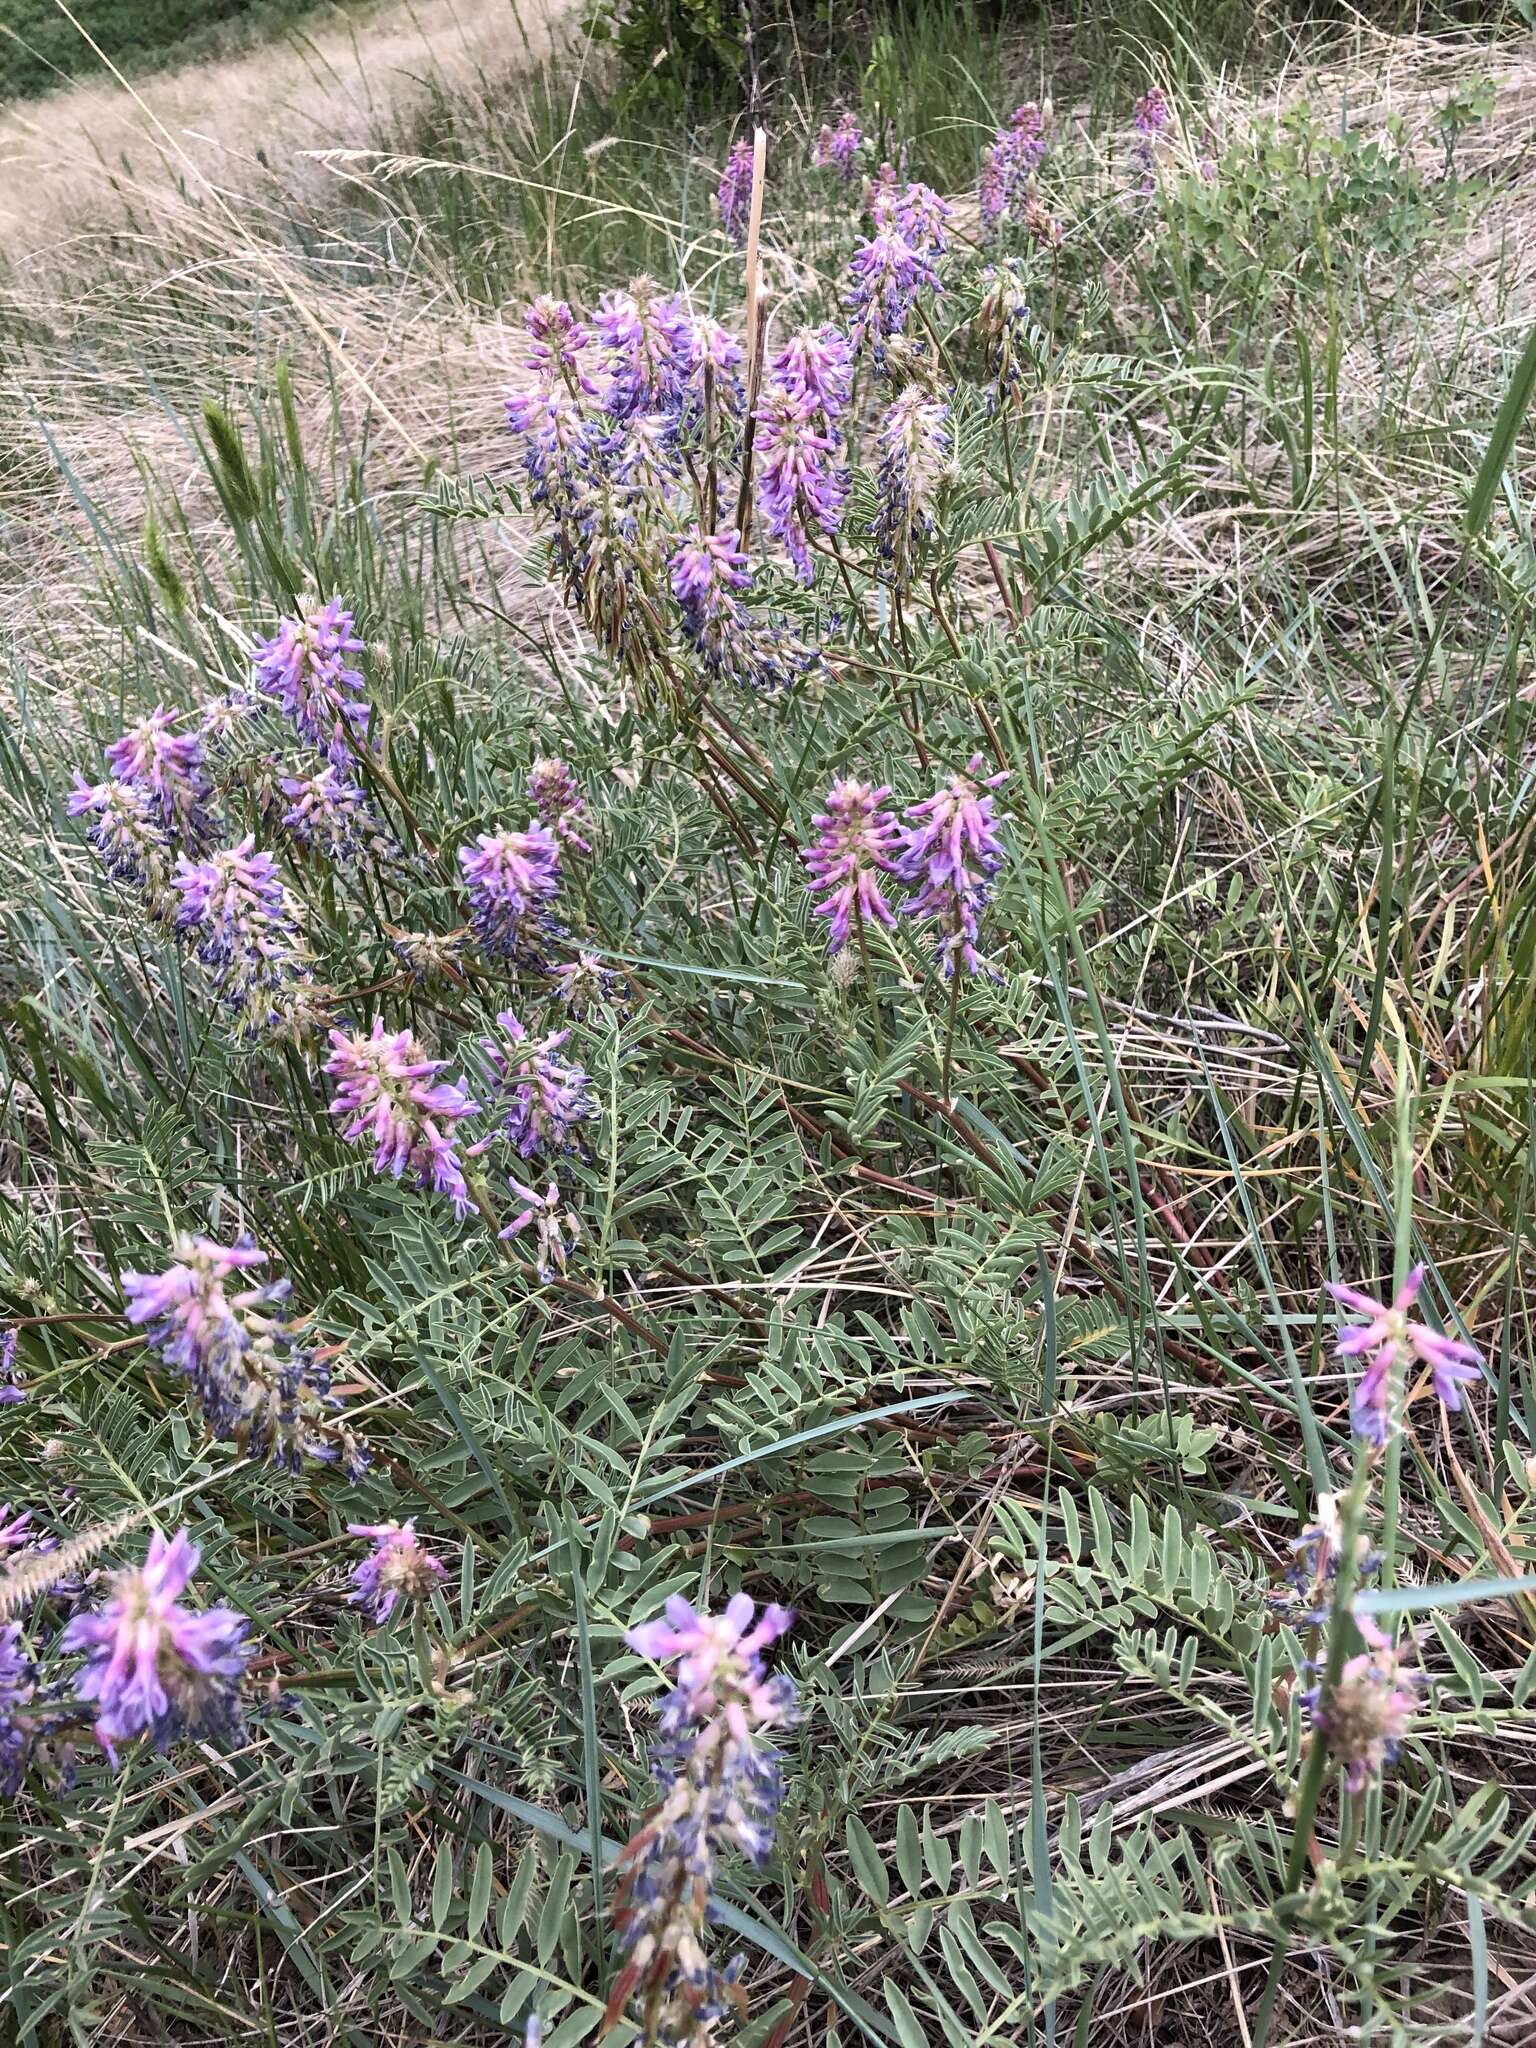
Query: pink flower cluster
{"type": "Point", "coordinates": [837, 149]}
{"type": "Point", "coordinates": [734, 196]}
{"type": "Point", "coordinates": [554, 795]}
{"type": "Point", "coordinates": [948, 845]}
{"type": "Point", "coordinates": [1365, 1716]}
{"type": "Point", "coordinates": [722, 1786]}
{"type": "Point", "coordinates": [1008, 169]}
{"type": "Point", "coordinates": [386, 1095]}
{"type": "Point", "coordinates": [1390, 1341]}
{"type": "Point", "coordinates": [153, 1666]}
{"type": "Point", "coordinates": [167, 767]}
{"type": "Point", "coordinates": [855, 838]}
{"type": "Point", "coordinates": [544, 1101]}
{"type": "Point", "coordinates": [397, 1571]}
{"type": "Point", "coordinates": [512, 878]}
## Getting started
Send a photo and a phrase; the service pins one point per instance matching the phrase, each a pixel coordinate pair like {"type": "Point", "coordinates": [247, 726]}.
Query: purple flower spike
{"type": "Point", "coordinates": [855, 836]}
{"type": "Point", "coordinates": [304, 668]}
{"type": "Point", "coordinates": [650, 348]}
{"type": "Point", "coordinates": [168, 768]}
{"type": "Point", "coordinates": [923, 219]}
{"type": "Point", "coordinates": [837, 149]}
{"type": "Point", "coordinates": [1003, 327]}
{"type": "Point", "coordinates": [800, 481]}
{"type": "Point", "coordinates": [709, 571]}
{"type": "Point", "coordinates": [554, 795]}
{"type": "Point", "coordinates": [885, 276]}
{"type": "Point", "coordinates": [915, 462]}
{"type": "Point", "coordinates": [585, 984]}
{"type": "Point", "coordinates": [155, 1667]}
{"type": "Point", "coordinates": [128, 835]}
{"type": "Point", "coordinates": [1008, 169]}
{"type": "Point", "coordinates": [549, 1101]}
{"type": "Point", "coordinates": [714, 350]}
{"type": "Point", "coordinates": [556, 1230]}
{"type": "Point", "coordinates": [735, 193]}
{"type": "Point", "coordinates": [815, 367]}
{"type": "Point", "coordinates": [397, 1571]}
{"type": "Point", "coordinates": [1389, 1340]}
{"type": "Point", "coordinates": [1151, 116]}
{"type": "Point", "coordinates": [243, 924]}
{"type": "Point", "coordinates": [258, 1384]}
{"type": "Point", "coordinates": [386, 1095]}
{"type": "Point", "coordinates": [15, 1530]}
{"type": "Point", "coordinates": [558, 443]}
{"type": "Point", "coordinates": [722, 1785]}
{"type": "Point", "coordinates": [1151, 112]}
{"type": "Point", "coordinates": [951, 849]}
{"type": "Point", "coordinates": [332, 817]}
{"type": "Point", "coordinates": [1365, 1718]}
{"type": "Point", "coordinates": [558, 341]}
{"type": "Point", "coordinates": [17, 1686]}
{"type": "Point", "coordinates": [11, 1389]}
{"type": "Point", "coordinates": [512, 878]}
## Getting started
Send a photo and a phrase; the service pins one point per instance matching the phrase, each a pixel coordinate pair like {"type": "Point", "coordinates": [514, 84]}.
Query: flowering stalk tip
{"type": "Point", "coordinates": [722, 1786]}
{"type": "Point", "coordinates": [154, 1667]}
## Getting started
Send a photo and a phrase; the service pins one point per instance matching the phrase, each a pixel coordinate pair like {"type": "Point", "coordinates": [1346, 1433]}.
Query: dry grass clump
{"type": "Point", "coordinates": [72, 161]}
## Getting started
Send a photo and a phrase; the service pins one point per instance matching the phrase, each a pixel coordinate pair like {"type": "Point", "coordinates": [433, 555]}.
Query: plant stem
{"type": "Point", "coordinates": [869, 981]}
{"type": "Point", "coordinates": [1340, 1622]}
{"type": "Point", "coordinates": [949, 1033]}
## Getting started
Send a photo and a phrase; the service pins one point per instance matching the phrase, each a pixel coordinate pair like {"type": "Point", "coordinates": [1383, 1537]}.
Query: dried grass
{"type": "Point", "coordinates": [244, 123]}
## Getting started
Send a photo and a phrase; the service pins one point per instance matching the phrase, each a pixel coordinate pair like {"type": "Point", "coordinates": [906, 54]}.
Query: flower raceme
{"type": "Point", "coordinates": [815, 367]}
{"type": "Point", "coordinates": [735, 192]}
{"type": "Point", "coordinates": [554, 795]}
{"type": "Point", "coordinates": [801, 481]}
{"type": "Point", "coordinates": [168, 768]}
{"type": "Point", "coordinates": [885, 275]}
{"type": "Point", "coordinates": [397, 1571]}
{"type": "Point", "coordinates": [244, 927]}
{"type": "Point", "coordinates": [331, 816]}
{"type": "Point", "coordinates": [555, 1229]}
{"type": "Point", "coordinates": [132, 841]}
{"type": "Point", "coordinates": [1365, 1716]}
{"type": "Point", "coordinates": [649, 344]}
{"type": "Point", "coordinates": [1010, 164]}
{"type": "Point", "coordinates": [951, 849]}
{"type": "Point", "coordinates": [558, 341]}
{"type": "Point", "coordinates": [546, 1102]}
{"type": "Point", "coordinates": [17, 1686]}
{"type": "Point", "coordinates": [386, 1094]}
{"type": "Point", "coordinates": [304, 667]}
{"type": "Point", "coordinates": [855, 836]}
{"type": "Point", "coordinates": [584, 984]}
{"type": "Point", "coordinates": [154, 1667]}
{"type": "Point", "coordinates": [721, 1787]}
{"type": "Point", "coordinates": [923, 219]}
{"type": "Point", "coordinates": [916, 461]}
{"type": "Point", "coordinates": [511, 877]}
{"type": "Point", "coordinates": [12, 1390]}
{"type": "Point", "coordinates": [1003, 328]}
{"type": "Point", "coordinates": [1151, 116]}
{"type": "Point", "coordinates": [1390, 1340]}
{"type": "Point", "coordinates": [709, 573]}
{"type": "Point", "coordinates": [256, 1381]}
{"type": "Point", "coordinates": [558, 447]}
{"type": "Point", "coordinates": [837, 149]}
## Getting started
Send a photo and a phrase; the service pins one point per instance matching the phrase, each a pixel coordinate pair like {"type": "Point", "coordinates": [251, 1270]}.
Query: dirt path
{"type": "Point", "coordinates": [241, 119]}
